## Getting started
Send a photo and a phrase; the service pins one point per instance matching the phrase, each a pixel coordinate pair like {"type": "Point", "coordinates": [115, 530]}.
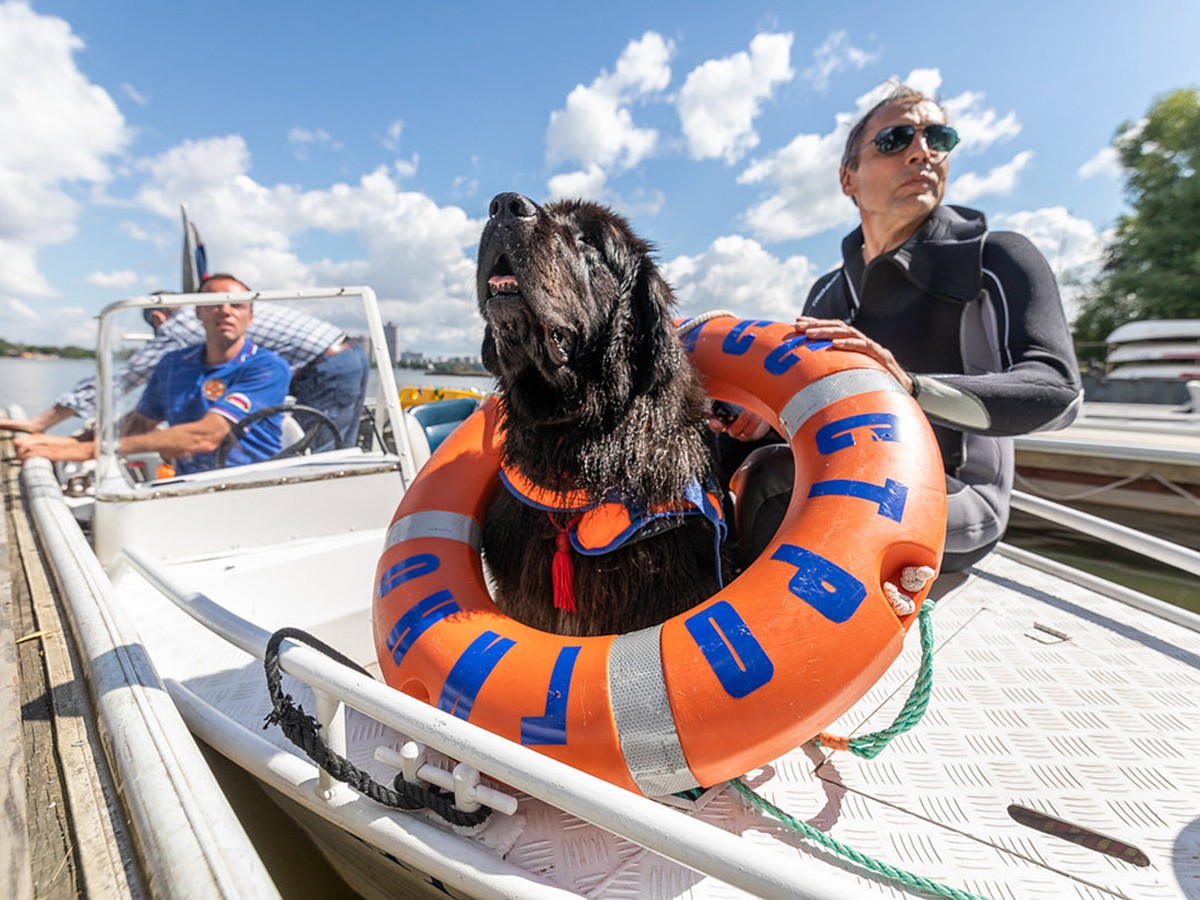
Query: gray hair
{"type": "Point", "coordinates": [899, 95]}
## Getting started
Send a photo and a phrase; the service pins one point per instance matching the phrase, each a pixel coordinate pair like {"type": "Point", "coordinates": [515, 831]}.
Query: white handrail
{"type": "Point", "coordinates": [1148, 545]}
{"type": "Point", "coordinates": [667, 832]}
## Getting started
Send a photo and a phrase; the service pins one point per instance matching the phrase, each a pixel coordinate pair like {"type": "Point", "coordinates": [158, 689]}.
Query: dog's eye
{"type": "Point", "coordinates": [588, 239]}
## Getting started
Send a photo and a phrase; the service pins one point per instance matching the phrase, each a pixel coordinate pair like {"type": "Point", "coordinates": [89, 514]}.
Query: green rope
{"type": "Point", "coordinates": [900, 876]}
{"type": "Point", "coordinates": [868, 746]}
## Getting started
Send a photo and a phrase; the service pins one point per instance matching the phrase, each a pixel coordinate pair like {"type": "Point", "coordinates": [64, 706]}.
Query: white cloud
{"type": "Point", "coordinates": [738, 274]}
{"type": "Point", "coordinates": [302, 139]}
{"type": "Point", "coordinates": [978, 126]}
{"type": "Point", "coordinates": [807, 198]}
{"type": "Point", "coordinates": [464, 186]}
{"type": "Point", "coordinates": [1072, 246]}
{"type": "Point", "coordinates": [1000, 180]}
{"type": "Point", "coordinates": [418, 257]}
{"type": "Point", "coordinates": [927, 81]}
{"type": "Point", "coordinates": [69, 131]}
{"type": "Point", "coordinates": [133, 93]}
{"type": "Point", "coordinates": [586, 184]}
{"type": "Point", "coordinates": [121, 280]}
{"type": "Point", "coordinates": [391, 139]}
{"type": "Point", "coordinates": [596, 128]}
{"type": "Point", "coordinates": [14, 309]}
{"type": "Point", "coordinates": [156, 238]}
{"type": "Point", "coordinates": [1105, 164]}
{"type": "Point", "coordinates": [59, 326]}
{"type": "Point", "coordinates": [833, 56]}
{"type": "Point", "coordinates": [721, 98]}
{"type": "Point", "coordinates": [1068, 242]}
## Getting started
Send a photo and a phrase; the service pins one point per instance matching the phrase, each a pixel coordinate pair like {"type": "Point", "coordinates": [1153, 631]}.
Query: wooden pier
{"type": "Point", "coordinates": [62, 830]}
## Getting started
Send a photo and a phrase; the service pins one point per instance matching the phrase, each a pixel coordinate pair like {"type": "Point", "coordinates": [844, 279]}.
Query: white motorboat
{"type": "Point", "coordinates": [1056, 758]}
{"type": "Point", "coordinates": [1155, 348]}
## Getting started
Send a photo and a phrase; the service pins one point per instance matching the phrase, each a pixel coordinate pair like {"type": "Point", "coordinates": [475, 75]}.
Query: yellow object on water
{"type": "Point", "coordinates": [414, 396]}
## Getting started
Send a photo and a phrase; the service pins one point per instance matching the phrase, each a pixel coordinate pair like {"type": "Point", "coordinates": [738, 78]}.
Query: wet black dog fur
{"type": "Point", "coordinates": [596, 393]}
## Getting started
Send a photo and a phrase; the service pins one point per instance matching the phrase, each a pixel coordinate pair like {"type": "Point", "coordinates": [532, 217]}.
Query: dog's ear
{"type": "Point", "coordinates": [487, 352]}
{"type": "Point", "coordinates": [652, 301]}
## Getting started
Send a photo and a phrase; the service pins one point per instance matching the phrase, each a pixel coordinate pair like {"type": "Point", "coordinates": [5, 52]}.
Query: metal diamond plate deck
{"type": "Point", "coordinates": [1045, 694]}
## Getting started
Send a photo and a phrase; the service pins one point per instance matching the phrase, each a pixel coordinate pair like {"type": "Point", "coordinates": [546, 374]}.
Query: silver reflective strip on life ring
{"type": "Point", "coordinates": [450, 526]}
{"type": "Point", "coordinates": [813, 398]}
{"type": "Point", "coordinates": [642, 713]}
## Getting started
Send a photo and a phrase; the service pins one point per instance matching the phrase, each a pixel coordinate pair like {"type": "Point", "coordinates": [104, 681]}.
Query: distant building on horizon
{"type": "Point", "coordinates": [391, 335]}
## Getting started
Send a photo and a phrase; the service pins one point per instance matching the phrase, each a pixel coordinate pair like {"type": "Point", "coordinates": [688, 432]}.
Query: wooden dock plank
{"type": "Point", "coordinates": [16, 878]}
{"type": "Point", "coordinates": [78, 839]}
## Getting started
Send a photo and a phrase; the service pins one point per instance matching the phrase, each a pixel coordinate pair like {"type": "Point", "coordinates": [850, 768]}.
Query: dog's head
{"type": "Point", "coordinates": [578, 316]}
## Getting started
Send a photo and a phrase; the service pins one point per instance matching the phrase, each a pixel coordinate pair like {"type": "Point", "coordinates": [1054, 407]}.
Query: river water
{"type": "Point", "coordinates": [33, 384]}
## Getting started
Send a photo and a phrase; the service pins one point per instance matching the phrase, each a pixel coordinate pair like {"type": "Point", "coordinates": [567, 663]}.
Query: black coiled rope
{"type": "Point", "coordinates": [301, 729]}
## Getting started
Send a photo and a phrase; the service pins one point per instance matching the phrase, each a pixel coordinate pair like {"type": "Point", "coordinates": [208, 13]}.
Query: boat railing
{"type": "Point", "coordinates": [698, 845]}
{"type": "Point", "coordinates": [1094, 526]}
{"type": "Point", "coordinates": [1156, 548]}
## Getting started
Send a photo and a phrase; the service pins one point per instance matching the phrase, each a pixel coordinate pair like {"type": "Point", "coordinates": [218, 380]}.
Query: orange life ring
{"type": "Point", "coordinates": [745, 676]}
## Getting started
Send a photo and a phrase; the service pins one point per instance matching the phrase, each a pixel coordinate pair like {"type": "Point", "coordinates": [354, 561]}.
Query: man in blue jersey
{"type": "Point", "coordinates": [201, 392]}
{"type": "Point", "coordinates": [329, 370]}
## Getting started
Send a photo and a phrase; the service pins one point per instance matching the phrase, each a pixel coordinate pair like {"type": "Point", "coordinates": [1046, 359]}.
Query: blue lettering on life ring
{"type": "Point", "coordinates": [408, 568]}
{"type": "Point", "coordinates": [551, 728]}
{"type": "Point", "coordinates": [734, 653]}
{"type": "Point", "coordinates": [839, 435]}
{"type": "Point", "coordinates": [737, 341]}
{"type": "Point", "coordinates": [417, 619]}
{"type": "Point", "coordinates": [783, 358]}
{"type": "Point", "coordinates": [470, 671]}
{"type": "Point", "coordinates": [890, 496]}
{"type": "Point", "coordinates": [823, 585]}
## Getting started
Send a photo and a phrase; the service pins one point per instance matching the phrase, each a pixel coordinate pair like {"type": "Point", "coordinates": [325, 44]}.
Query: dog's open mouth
{"type": "Point", "coordinates": [503, 285]}
{"type": "Point", "coordinates": [503, 282]}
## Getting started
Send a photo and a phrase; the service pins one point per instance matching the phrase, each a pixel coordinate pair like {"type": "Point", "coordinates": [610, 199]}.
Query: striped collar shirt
{"type": "Point", "coordinates": [298, 337]}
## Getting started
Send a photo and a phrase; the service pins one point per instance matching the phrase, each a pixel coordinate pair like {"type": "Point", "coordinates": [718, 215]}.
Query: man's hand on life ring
{"type": "Point", "coordinates": [847, 337]}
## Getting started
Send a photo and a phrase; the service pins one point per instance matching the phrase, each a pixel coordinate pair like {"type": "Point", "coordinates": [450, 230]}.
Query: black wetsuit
{"type": "Point", "coordinates": [976, 320]}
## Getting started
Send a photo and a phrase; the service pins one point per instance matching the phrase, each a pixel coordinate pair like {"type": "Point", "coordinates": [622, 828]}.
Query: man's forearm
{"type": "Point", "coordinates": [43, 421]}
{"type": "Point", "coordinates": [186, 439]}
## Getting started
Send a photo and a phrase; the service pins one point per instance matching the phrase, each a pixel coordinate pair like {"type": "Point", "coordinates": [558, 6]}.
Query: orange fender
{"type": "Point", "coordinates": [741, 678]}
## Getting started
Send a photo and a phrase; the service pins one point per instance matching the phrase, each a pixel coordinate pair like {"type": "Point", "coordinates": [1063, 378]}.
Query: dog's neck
{"type": "Point", "coordinates": [574, 457]}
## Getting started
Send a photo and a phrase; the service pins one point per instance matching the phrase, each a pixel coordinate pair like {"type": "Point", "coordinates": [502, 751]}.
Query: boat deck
{"type": "Point", "coordinates": [1047, 695]}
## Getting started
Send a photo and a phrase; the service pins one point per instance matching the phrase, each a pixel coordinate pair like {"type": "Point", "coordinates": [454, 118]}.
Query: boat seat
{"type": "Point", "coordinates": [429, 424]}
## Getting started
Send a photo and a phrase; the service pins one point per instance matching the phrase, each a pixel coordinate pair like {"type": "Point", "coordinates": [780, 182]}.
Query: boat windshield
{"type": "Point", "coordinates": [294, 375]}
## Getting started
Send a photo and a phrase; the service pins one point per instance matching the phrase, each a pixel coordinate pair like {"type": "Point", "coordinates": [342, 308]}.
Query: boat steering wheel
{"type": "Point", "coordinates": [319, 422]}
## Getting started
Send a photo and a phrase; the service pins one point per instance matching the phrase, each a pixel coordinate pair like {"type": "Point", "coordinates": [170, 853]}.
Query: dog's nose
{"type": "Point", "coordinates": [511, 206]}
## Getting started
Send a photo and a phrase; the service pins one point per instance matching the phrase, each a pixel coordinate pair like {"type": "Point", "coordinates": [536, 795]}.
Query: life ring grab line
{"type": "Point", "coordinates": [651, 752]}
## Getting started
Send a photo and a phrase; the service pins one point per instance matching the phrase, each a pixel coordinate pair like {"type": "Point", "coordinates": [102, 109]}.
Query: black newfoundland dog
{"type": "Point", "coordinates": [605, 440]}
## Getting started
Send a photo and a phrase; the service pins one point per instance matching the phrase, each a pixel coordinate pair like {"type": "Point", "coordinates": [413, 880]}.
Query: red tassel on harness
{"type": "Point", "coordinates": [562, 573]}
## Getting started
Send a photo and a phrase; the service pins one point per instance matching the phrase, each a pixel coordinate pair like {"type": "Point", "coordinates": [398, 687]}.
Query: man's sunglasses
{"type": "Point", "coordinates": [894, 138]}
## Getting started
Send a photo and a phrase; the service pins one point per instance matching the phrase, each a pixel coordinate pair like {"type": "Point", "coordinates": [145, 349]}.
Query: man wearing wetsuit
{"type": "Point", "coordinates": [201, 392]}
{"type": "Point", "coordinates": [969, 322]}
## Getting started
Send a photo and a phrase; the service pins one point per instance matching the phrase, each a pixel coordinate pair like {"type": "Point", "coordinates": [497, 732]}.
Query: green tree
{"type": "Point", "coordinates": [1152, 267]}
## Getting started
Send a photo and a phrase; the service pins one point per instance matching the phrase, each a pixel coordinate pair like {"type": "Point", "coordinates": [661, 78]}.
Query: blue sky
{"type": "Point", "coordinates": [359, 143]}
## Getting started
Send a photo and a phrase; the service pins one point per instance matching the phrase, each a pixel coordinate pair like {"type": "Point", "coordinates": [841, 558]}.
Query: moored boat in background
{"type": "Point", "coordinates": [1148, 362]}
